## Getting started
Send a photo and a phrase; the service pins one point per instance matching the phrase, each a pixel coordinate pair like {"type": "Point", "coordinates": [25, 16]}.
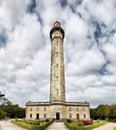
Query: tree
{"type": "Point", "coordinates": [13, 111]}
{"type": "Point", "coordinates": [103, 112]}
{"type": "Point", "coordinates": [10, 110]}
{"type": "Point", "coordinates": [2, 114]}
{"type": "Point", "coordinates": [3, 100]}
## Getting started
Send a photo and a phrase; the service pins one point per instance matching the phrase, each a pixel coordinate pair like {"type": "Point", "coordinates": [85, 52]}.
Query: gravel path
{"type": "Point", "coordinates": [57, 126]}
{"type": "Point", "coordinates": [9, 126]}
{"type": "Point", "coordinates": [108, 126]}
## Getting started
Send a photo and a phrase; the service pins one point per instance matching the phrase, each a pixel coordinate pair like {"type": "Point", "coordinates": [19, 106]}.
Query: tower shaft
{"type": "Point", "coordinates": [57, 77]}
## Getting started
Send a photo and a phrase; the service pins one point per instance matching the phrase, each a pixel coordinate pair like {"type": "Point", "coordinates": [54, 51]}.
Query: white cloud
{"type": "Point", "coordinates": [89, 64]}
{"type": "Point", "coordinates": [12, 12]}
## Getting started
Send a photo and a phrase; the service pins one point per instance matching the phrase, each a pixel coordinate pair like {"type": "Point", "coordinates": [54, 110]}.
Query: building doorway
{"type": "Point", "coordinates": [57, 116]}
{"type": "Point", "coordinates": [77, 116]}
{"type": "Point", "coordinates": [37, 116]}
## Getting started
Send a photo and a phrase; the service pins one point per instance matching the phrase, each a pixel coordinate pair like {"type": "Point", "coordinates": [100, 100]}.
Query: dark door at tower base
{"type": "Point", "coordinates": [77, 116]}
{"type": "Point", "coordinates": [57, 116]}
{"type": "Point", "coordinates": [37, 116]}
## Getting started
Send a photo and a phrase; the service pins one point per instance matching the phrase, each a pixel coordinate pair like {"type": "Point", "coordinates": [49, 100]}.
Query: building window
{"type": "Point", "coordinates": [44, 115]}
{"type": "Point", "coordinates": [77, 109]}
{"type": "Point", "coordinates": [57, 65]}
{"type": "Point", "coordinates": [37, 108]}
{"type": "Point", "coordinates": [70, 109]}
{"type": "Point", "coordinates": [44, 108]}
{"type": "Point", "coordinates": [57, 77]}
{"type": "Point", "coordinates": [30, 109]}
{"type": "Point", "coordinates": [30, 115]}
{"type": "Point", "coordinates": [84, 115]}
{"type": "Point", "coordinates": [84, 109]}
{"type": "Point", "coordinates": [70, 115]}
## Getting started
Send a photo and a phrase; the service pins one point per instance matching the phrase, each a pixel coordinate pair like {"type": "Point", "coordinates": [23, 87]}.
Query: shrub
{"type": "Point", "coordinates": [68, 121]}
{"type": "Point", "coordinates": [107, 119]}
{"type": "Point", "coordinates": [86, 122]}
{"type": "Point", "coordinates": [31, 126]}
{"type": "Point", "coordinates": [36, 122]}
{"type": "Point", "coordinates": [47, 120]}
{"type": "Point", "coordinates": [80, 124]}
{"type": "Point", "coordinates": [29, 121]}
{"type": "Point", "coordinates": [86, 127]}
{"type": "Point", "coordinates": [114, 120]}
{"type": "Point", "coordinates": [16, 119]}
{"type": "Point", "coordinates": [97, 120]}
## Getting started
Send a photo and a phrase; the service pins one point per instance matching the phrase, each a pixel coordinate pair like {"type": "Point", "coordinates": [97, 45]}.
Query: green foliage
{"type": "Point", "coordinates": [32, 125]}
{"type": "Point", "coordinates": [68, 120]}
{"type": "Point", "coordinates": [22, 124]}
{"type": "Point", "coordinates": [107, 119]}
{"type": "Point", "coordinates": [104, 112]}
{"type": "Point", "coordinates": [36, 122]}
{"type": "Point", "coordinates": [72, 126]}
{"type": "Point", "coordinates": [77, 123]}
{"type": "Point", "coordinates": [47, 120]}
{"type": "Point", "coordinates": [13, 111]}
{"type": "Point", "coordinates": [2, 114]}
{"type": "Point", "coordinates": [80, 124]}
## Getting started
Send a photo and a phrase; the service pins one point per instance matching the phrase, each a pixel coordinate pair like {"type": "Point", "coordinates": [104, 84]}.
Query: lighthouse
{"type": "Point", "coordinates": [57, 108]}
{"type": "Point", "coordinates": [57, 76]}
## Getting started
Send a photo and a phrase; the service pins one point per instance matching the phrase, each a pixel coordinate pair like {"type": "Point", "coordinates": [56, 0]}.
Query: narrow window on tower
{"type": "Point", "coordinates": [57, 43]}
{"type": "Point", "coordinates": [57, 65]}
{"type": "Point", "coordinates": [57, 77]}
{"type": "Point", "coordinates": [57, 91]}
{"type": "Point", "coordinates": [56, 54]}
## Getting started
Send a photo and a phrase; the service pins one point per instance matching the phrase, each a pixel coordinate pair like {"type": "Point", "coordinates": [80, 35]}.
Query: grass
{"type": "Point", "coordinates": [114, 128]}
{"type": "Point", "coordinates": [74, 126]}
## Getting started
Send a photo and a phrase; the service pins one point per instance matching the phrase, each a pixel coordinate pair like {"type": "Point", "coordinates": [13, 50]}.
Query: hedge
{"type": "Point", "coordinates": [86, 127]}
{"type": "Point", "coordinates": [42, 126]}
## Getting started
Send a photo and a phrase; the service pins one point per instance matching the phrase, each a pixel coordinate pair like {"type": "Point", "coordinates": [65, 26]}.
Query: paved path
{"type": "Point", "coordinates": [108, 126]}
{"type": "Point", "coordinates": [9, 126]}
{"type": "Point", "coordinates": [57, 126]}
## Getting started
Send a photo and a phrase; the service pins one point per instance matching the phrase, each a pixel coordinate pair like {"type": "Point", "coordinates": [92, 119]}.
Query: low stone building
{"type": "Point", "coordinates": [57, 108]}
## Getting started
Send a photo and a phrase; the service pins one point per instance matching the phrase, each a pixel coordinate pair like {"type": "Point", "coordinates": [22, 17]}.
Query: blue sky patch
{"type": "Point", "coordinates": [31, 7]}
{"type": "Point", "coordinates": [63, 3]}
{"type": "Point", "coordinates": [102, 70]}
{"type": "Point", "coordinates": [2, 40]}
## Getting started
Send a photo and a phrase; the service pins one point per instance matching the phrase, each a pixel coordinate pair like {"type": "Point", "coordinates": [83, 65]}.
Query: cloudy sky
{"type": "Point", "coordinates": [89, 49]}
